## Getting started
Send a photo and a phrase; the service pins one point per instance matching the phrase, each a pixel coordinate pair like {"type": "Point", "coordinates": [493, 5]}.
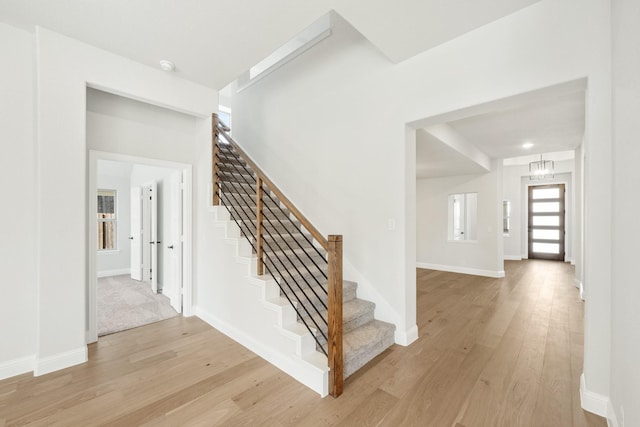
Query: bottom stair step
{"type": "Point", "coordinates": [364, 343]}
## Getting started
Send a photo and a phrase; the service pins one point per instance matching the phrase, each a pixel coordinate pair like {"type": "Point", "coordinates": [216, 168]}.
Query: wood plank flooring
{"type": "Point", "coordinates": [491, 352]}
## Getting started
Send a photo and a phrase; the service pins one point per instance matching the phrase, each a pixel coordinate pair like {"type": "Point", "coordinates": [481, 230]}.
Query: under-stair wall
{"type": "Point", "coordinates": [249, 309]}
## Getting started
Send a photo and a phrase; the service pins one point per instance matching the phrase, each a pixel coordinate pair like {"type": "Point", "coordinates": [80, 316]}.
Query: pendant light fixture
{"type": "Point", "coordinates": [542, 169]}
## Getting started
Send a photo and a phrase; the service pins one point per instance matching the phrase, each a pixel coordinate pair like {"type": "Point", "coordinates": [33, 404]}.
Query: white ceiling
{"type": "Point", "coordinates": [404, 28]}
{"type": "Point", "coordinates": [552, 120]}
{"type": "Point", "coordinates": [434, 158]}
{"type": "Point", "coordinates": [213, 41]}
{"type": "Point", "coordinates": [553, 125]}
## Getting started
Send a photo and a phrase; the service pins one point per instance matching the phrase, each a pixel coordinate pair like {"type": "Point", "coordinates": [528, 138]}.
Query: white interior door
{"type": "Point", "coordinates": [172, 287]}
{"type": "Point", "coordinates": [153, 234]}
{"type": "Point", "coordinates": [136, 233]}
{"type": "Point", "coordinates": [150, 235]}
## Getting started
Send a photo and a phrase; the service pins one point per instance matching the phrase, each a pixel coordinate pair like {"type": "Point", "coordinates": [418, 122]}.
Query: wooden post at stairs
{"type": "Point", "coordinates": [335, 356]}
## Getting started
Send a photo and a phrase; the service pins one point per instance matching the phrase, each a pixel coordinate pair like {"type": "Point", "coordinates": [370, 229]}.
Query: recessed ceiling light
{"type": "Point", "coordinates": [527, 145]}
{"type": "Point", "coordinates": [167, 65]}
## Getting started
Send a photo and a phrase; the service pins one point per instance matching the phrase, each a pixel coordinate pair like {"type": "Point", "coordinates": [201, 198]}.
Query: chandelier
{"type": "Point", "coordinates": [542, 169]}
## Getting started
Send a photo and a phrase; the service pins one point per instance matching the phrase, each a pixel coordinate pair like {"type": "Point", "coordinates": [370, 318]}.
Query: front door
{"type": "Point", "coordinates": [546, 222]}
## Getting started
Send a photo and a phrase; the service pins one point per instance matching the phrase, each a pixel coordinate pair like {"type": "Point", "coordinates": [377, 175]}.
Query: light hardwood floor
{"type": "Point", "coordinates": [491, 352]}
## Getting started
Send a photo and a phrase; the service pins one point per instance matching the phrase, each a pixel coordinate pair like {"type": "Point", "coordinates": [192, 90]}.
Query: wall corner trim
{"type": "Point", "coordinates": [591, 401]}
{"type": "Point", "coordinates": [59, 361]}
{"type": "Point", "coordinates": [14, 367]}
{"type": "Point", "coordinates": [406, 337]}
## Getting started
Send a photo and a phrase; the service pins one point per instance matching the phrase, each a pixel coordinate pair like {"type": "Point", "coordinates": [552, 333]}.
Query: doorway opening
{"type": "Point", "coordinates": [151, 259]}
{"type": "Point", "coordinates": [546, 222]}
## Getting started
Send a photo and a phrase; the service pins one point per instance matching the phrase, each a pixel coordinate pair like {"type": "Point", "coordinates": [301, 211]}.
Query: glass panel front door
{"type": "Point", "coordinates": [546, 222]}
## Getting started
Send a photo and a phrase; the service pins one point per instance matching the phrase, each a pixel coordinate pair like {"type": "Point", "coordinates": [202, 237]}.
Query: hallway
{"type": "Point", "coordinates": [491, 352]}
{"type": "Point", "coordinates": [505, 351]}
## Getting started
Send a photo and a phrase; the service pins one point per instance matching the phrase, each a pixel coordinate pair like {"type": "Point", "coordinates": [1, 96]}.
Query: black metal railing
{"type": "Point", "coordinates": [288, 254]}
{"type": "Point", "coordinates": [308, 276]}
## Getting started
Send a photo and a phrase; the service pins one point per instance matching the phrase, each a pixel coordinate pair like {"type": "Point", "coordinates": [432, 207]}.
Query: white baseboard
{"type": "Point", "coordinates": [15, 367]}
{"type": "Point", "coordinates": [174, 298]}
{"type": "Point", "coordinates": [512, 257]}
{"type": "Point", "coordinates": [580, 287]}
{"type": "Point", "coordinates": [109, 273]}
{"type": "Point", "coordinates": [311, 376]}
{"type": "Point", "coordinates": [463, 270]}
{"type": "Point", "coordinates": [592, 401]}
{"type": "Point", "coordinates": [60, 361]}
{"type": "Point", "coordinates": [406, 337]}
{"type": "Point", "coordinates": [612, 419]}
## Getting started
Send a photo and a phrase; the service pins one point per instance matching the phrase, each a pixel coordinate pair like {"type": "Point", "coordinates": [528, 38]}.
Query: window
{"type": "Point", "coordinates": [506, 217]}
{"type": "Point", "coordinates": [224, 115]}
{"type": "Point", "coordinates": [107, 220]}
{"type": "Point", "coordinates": [463, 212]}
{"type": "Point", "coordinates": [307, 38]}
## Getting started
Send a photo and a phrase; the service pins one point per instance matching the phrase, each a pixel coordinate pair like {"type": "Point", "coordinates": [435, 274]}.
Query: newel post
{"type": "Point", "coordinates": [215, 185]}
{"type": "Point", "coordinates": [336, 368]}
{"type": "Point", "coordinates": [259, 252]}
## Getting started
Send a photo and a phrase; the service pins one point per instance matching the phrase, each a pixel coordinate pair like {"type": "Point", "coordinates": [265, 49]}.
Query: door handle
{"type": "Point", "coordinates": [131, 238]}
{"type": "Point", "coordinates": [170, 247]}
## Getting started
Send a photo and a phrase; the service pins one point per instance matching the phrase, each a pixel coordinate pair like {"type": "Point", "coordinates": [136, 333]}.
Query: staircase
{"type": "Point", "coordinates": [306, 266]}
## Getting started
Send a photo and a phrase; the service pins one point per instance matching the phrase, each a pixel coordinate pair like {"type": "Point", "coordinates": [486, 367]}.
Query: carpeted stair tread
{"type": "Point", "coordinates": [355, 313]}
{"type": "Point", "coordinates": [364, 343]}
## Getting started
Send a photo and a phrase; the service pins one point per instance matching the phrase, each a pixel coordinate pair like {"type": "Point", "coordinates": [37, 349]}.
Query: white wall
{"type": "Point", "coordinates": [434, 249]}
{"type": "Point", "coordinates": [123, 125]}
{"type": "Point", "coordinates": [65, 68]}
{"type": "Point", "coordinates": [515, 187]}
{"type": "Point", "coordinates": [330, 129]}
{"type": "Point", "coordinates": [116, 176]}
{"type": "Point", "coordinates": [17, 216]}
{"type": "Point", "coordinates": [625, 372]}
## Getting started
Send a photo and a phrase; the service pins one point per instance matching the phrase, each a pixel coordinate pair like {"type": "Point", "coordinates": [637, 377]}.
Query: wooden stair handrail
{"type": "Point", "coordinates": [286, 202]}
{"type": "Point", "coordinates": [332, 244]}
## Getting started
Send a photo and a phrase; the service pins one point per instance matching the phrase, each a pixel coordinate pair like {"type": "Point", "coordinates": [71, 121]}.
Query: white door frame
{"type": "Point", "coordinates": [187, 222]}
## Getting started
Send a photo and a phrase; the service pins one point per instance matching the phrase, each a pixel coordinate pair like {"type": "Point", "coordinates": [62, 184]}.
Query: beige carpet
{"type": "Point", "coordinates": [124, 303]}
